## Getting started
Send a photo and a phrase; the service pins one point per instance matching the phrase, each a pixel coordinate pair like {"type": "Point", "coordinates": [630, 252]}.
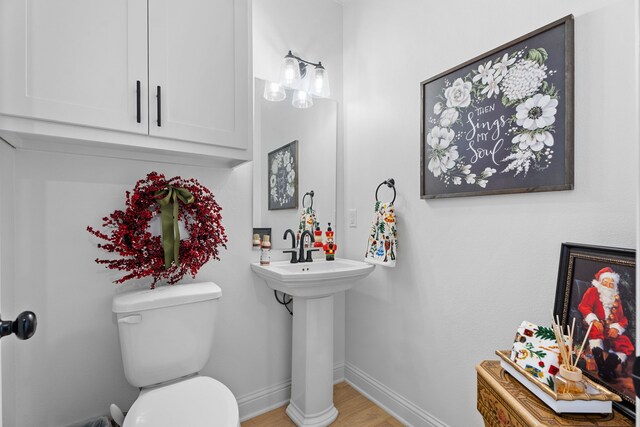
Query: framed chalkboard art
{"type": "Point", "coordinates": [282, 176]}
{"type": "Point", "coordinates": [502, 122]}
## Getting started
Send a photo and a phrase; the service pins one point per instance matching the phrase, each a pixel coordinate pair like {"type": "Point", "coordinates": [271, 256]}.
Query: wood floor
{"type": "Point", "coordinates": [355, 410]}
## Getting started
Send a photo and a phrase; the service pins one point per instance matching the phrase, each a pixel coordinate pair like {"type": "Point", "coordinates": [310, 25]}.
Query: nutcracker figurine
{"type": "Point", "coordinates": [317, 237]}
{"type": "Point", "coordinates": [330, 248]}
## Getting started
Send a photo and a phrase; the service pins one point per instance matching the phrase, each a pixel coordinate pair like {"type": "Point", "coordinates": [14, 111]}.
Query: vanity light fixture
{"type": "Point", "coordinates": [305, 86]}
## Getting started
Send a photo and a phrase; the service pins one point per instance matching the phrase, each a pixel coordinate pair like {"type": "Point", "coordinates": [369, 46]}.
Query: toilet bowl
{"type": "Point", "coordinates": [194, 402]}
{"type": "Point", "coordinates": [166, 335]}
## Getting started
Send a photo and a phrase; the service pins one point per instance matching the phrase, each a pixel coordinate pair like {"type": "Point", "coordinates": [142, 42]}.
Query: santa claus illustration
{"type": "Point", "coordinates": [601, 306]}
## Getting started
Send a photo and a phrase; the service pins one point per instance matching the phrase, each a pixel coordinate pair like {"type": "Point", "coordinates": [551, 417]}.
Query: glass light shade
{"type": "Point", "coordinates": [301, 99]}
{"type": "Point", "coordinates": [319, 82]}
{"type": "Point", "coordinates": [274, 92]}
{"type": "Point", "coordinates": [289, 71]}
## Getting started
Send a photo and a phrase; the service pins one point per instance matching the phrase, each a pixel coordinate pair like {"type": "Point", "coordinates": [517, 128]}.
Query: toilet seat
{"type": "Point", "coordinates": [194, 402]}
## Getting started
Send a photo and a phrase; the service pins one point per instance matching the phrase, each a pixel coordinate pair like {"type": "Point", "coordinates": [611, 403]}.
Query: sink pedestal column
{"type": "Point", "coordinates": [311, 402]}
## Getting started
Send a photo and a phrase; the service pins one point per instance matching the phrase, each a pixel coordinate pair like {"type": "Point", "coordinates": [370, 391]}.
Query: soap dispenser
{"type": "Point", "coordinates": [265, 250]}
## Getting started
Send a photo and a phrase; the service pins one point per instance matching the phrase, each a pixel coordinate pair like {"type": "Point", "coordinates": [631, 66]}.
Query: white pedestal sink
{"type": "Point", "coordinates": [312, 284]}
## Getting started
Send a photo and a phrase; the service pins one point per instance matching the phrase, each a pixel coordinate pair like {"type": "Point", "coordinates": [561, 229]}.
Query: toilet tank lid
{"type": "Point", "coordinates": [165, 296]}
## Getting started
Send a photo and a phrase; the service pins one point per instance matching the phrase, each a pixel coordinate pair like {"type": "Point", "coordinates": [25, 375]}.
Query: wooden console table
{"type": "Point", "coordinates": [504, 402]}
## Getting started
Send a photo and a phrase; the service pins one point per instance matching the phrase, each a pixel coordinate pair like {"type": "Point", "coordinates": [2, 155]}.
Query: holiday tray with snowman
{"type": "Point", "coordinates": [539, 363]}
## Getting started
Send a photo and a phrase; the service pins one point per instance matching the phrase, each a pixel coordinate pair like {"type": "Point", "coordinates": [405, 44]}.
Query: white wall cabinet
{"type": "Point", "coordinates": [74, 61]}
{"type": "Point", "coordinates": [77, 68]}
{"type": "Point", "coordinates": [198, 57]}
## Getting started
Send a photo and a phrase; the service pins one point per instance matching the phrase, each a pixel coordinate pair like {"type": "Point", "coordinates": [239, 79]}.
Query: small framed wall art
{"type": "Point", "coordinates": [501, 122]}
{"type": "Point", "coordinates": [597, 287]}
{"type": "Point", "coordinates": [282, 176]}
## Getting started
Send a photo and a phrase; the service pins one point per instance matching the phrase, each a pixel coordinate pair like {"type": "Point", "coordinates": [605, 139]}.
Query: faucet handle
{"type": "Point", "coordinates": [309, 258]}
{"type": "Point", "coordinates": [293, 252]}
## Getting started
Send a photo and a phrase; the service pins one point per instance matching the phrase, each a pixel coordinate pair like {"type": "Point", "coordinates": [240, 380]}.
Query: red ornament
{"type": "Point", "coordinates": [141, 253]}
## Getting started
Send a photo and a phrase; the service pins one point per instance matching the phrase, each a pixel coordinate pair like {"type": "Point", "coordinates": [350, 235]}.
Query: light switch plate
{"type": "Point", "coordinates": [353, 218]}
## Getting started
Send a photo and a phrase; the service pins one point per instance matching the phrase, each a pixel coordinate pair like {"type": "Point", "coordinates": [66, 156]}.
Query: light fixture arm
{"type": "Point", "coordinates": [291, 55]}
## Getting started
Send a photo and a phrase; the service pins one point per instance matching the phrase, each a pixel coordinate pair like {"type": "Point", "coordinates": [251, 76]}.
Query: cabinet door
{"type": "Point", "coordinates": [199, 58]}
{"type": "Point", "coordinates": [75, 61]}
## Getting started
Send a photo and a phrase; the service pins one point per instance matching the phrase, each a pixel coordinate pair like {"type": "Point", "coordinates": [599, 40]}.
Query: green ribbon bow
{"type": "Point", "coordinates": [169, 215]}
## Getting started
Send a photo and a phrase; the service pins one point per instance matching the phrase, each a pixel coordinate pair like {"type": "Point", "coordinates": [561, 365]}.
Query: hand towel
{"type": "Point", "coordinates": [307, 219]}
{"type": "Point", "coordinates": [383, 239]}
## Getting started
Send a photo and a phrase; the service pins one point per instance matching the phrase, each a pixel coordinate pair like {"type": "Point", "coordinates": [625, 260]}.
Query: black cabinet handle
{"type": "Point", "coordinates": [24, 326]}
{"type": "Point", "coordinates": [138, 112]}
{"type": "Point", "coordinates": [159, 96]}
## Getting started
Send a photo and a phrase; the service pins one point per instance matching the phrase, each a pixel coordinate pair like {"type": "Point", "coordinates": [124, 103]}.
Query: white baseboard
{"type": "Point", "coordinates": [264, 400]}
{"type": "Point", "coordinates": [396, 405]}
{"type": "Point", "coordinates": [338, 372]}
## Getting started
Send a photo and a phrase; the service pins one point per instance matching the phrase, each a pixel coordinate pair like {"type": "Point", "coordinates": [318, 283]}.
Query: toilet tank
{"type": "Point", "coordinates": [167, 332]}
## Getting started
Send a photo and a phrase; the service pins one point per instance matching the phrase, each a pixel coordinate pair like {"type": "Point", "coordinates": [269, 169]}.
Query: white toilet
{"type": "Point", "coordinates": [166, 336]}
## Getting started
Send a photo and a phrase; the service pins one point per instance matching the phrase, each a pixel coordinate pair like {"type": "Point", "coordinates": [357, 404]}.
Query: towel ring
{"type": "Point", "coordinates": [310, 194]}
{"type": "Point", "coordinates": [391, 183]}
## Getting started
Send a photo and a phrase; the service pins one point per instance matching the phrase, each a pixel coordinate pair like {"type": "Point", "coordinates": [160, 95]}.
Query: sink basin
{"type": "Point", "coordinates": [313, 279]}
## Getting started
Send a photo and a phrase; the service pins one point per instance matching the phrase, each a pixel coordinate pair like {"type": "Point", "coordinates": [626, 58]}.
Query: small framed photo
{"type": "Point", "coordinates": [501, 122]}
{"type": "Point", "coordinates": [282, 176]}
{"type": "Point", "coordinates": [597, 287]}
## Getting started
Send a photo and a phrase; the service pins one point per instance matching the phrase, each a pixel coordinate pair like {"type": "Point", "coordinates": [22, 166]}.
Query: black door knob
{"type": "Point", "coordinates": [24, 326]}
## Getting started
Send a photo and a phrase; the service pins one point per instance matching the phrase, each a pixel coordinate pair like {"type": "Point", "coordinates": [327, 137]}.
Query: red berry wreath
{"type": "Point", "coordinates": [143, 254]}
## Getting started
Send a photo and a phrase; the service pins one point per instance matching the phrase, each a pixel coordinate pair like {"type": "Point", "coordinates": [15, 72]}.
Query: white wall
{"type": "Point", "coordinates": [7, 237]}
{"type": "Point", "coordinates": [71, 369]}
{"type": "Point", "coordinates": [471, 269]}
{"type": "Point", "coordinates": [311, 29]}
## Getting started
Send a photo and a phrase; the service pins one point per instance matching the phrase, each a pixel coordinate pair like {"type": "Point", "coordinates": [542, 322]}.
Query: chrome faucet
{"type": "Point", "coordinates": [301, 257]}
{"type": "Point", "coordinates": [291, 251]}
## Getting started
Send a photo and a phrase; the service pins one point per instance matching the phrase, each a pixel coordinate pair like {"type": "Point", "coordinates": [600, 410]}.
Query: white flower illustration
{"type": "Point", "coordinates": [487, 172]}
{"type": "Point", "coordinates": [442, 156]}
{"type": "Point", "coordinates": [485, 73]}
{"type": "Point", "coordinates": [523, 79]}
{"type": "Point", "coordinates": [534, 141]}
{"type": "Point", "coordinates": [458, 94]}
{"type": "Point", "coordinates": [503, 65]}
{"type": "Point", "coordinates": [443, 162]}
{"type": "Point", "coordinates": [515, 79]}
{"type": "Point", "coordinates": [536, 112]}
{"type": "Point", "coordinates": [440, 138]}
{"type": "Point", "coordinates": [449, 117]}
{"type": "Point", "coordinates": [520, 161]}
{"type": "Point", "coordinates": [492, 87]}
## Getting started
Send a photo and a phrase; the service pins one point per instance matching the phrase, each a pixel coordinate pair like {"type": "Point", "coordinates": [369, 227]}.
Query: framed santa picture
{"type": "Point", "coordinates": [597, 288]}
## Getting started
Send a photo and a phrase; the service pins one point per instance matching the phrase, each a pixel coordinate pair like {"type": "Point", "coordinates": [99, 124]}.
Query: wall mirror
{"type": "Point", "coordinates": [277, 124]}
